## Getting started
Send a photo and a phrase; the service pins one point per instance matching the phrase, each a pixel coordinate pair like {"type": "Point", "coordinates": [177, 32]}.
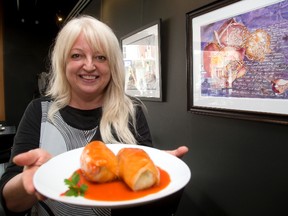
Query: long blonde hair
{"type": "Point", "coordinates": [118, 110]}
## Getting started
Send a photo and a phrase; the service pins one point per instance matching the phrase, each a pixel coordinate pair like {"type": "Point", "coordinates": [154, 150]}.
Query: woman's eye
{"type": "Point", "coordinates": [73, 56]}
{"type": "Point", "coordinates": [101, 58]}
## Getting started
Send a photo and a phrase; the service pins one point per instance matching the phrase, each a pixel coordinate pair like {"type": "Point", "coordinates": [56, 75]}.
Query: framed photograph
{"type": "Point", "coordinates": [237, 60]}
{"type": "Point", "coordinates": [141, 53]}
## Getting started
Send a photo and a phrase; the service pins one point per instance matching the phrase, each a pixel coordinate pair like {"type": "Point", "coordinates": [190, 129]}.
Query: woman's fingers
{"type": "Point", "coordinates": [35, 157]}
{"type": "Point", "coordinates": [27, 178]}
{"type": "Point", "coordinates": [179, 152]}
{"type": "Point", "coordinates": [40, 196]}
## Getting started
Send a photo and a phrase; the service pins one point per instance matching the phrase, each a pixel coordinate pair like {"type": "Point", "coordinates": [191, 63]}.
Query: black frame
{"type": "Point", "coordinates": [139, 36]}
{"type": "Point", "coordinates": [220, 112]}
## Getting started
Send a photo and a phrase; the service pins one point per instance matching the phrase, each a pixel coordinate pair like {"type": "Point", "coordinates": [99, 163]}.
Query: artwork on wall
{"type": "Point", "coordinates": [237, 60]}
{"type": "Point", "coordinates": [141, 52]}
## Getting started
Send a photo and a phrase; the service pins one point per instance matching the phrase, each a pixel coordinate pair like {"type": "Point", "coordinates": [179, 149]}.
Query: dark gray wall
{"type": "Point", "coordinates": [22, 64]}
{"type": "Point", "coordinates": [26, 47]}
{"type": "Point", "coordinates": [238, 167]}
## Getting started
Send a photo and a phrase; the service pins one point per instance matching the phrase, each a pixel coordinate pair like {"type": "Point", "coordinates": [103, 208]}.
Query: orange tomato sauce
{"type": "Point", "coordinates": [118, 190]}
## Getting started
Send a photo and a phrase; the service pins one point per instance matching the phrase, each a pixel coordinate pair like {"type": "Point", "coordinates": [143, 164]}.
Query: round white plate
{"type": "Point", "coordinates": [49, 178]}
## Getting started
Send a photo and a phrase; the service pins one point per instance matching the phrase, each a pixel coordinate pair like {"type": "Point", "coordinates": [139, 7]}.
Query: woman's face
{"type": "Point", "coordinates": [87, 71]}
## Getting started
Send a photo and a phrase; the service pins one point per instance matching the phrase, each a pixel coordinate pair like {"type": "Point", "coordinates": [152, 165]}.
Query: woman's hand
{"type": "Point", "coordinates": [179, 152]}
{"type": "Point", "coordinates": [31, 161]}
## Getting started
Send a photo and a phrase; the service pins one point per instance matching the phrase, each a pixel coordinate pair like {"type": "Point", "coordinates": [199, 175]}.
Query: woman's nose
{"type": "Point", "coordinates": [89, 65]}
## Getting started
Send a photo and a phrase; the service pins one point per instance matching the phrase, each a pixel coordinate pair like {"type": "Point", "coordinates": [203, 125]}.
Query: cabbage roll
{"type": "Point", "coordinates": [98, 163]}
{"type": "Point", "coordinates": [137, 169]}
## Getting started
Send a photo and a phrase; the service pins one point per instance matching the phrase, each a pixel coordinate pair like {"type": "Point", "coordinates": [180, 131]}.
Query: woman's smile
{"type": "Point", "coordinates": [89, 77]}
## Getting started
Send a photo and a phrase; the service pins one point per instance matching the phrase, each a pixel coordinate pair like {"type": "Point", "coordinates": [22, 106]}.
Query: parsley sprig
{"type": "Point", "coordinates": [75, 189]}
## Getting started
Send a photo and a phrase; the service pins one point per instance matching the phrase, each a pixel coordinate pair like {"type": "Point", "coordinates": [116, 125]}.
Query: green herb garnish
{"type": "Point", "coordinates": [75, 189]}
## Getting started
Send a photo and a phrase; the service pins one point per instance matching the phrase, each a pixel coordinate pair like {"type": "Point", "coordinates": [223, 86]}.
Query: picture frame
{"type": "Point", "coordinates": [142, 58]}
{"type": "Point", "coordinates": [237, 60]}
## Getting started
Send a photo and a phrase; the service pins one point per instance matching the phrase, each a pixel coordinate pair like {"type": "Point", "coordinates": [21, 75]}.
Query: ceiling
{"type": "Point", "coordinates": [40, 12]}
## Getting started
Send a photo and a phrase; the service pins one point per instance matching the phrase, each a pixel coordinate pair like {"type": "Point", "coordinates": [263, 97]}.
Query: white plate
{"type": "Point", "coordinates": [49, 178]}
